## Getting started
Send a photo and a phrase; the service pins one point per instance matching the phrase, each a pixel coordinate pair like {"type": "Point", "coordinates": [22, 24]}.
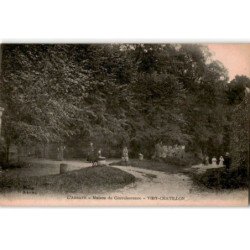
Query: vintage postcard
{"type": "Point", "coordinates": [124, 124]}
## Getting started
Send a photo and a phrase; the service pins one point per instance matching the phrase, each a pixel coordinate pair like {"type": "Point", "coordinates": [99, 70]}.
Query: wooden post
{"type": "Point", "coordinates": [63, 168]}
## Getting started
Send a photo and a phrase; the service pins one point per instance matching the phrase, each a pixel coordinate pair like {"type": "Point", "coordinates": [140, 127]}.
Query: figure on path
{"type": "Point", "coordinates": [140, 156]}
{"type": "Point", "coordinates": [99, 153]}
{"type": "Point", "coordinates": [221, 163]}
{"type": "Point", "coordinates": [227, 161]}
{"type": "Point", "coordinates": [214, 161]}
{"type": "Point", "coordinates": [101, 160]}
{"type": "Point", "coordinates": [125, 157]}
{"type": "Point", "coordinates": [60, 152]}
{"type": "Point", "coordinates": [92, 156]}
{"type": "Point", "coordinates": [206, 160]}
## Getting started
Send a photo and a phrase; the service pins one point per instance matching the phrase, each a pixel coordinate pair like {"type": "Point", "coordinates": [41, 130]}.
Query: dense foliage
{"type": "Point", "coordinates": [134, 94]}
{"type": "Point", "coordinates": [221, 179]}
{"type": "Point", "coordinates": [238, 112]}
{"type": "Point", "coordinates": [239, 143]}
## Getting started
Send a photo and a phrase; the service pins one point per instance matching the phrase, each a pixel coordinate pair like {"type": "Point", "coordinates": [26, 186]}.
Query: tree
{"type": "Point", "coordinates": [116, 94]}
{"type": "Point", "coordinates": [236, 89]}
{"type": "Point", "coordinates": [238, 99]}
{"type": "Point", "coordinates": [41, 87]}
{"type": "Point", "coordinates": [239, 145]}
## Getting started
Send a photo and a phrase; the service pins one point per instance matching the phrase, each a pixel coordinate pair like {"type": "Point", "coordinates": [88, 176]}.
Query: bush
{"type": "Point", "coordinates": [6, 165]}
{"type": "Point", "coordinates": [187, 160]}
{"type": "Point", "coordinates": [89, 180]}
{"type": "Point", "coordinates": [222, 179]}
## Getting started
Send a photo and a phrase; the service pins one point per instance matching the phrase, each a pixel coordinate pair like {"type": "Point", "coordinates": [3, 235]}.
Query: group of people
{"type": "Point", "coordinates": [125, 157]}
{"type": "Point", "coordinates": [222, 161]}
{"type": "Point", "coordinates": [96, 156]}
{"type": "Point", "coordinates": [93, 155]}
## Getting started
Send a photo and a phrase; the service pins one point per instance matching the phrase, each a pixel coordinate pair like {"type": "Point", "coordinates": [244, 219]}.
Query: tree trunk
{"type": "Point", "coordinates": [7, 156]}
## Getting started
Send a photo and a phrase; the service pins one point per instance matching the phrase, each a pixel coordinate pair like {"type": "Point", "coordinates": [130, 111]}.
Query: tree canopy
{"type": "Point", "coordinates": [115, 94]}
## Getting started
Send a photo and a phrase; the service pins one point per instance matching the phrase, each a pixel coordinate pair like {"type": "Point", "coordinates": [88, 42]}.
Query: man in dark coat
{"type": "Point", "coordinates": [227, 161]}
{"type": "Point", "coordinates": [92, 154]}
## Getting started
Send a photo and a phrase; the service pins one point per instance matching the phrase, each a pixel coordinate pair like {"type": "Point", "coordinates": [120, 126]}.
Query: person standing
{"type": "Point", "coordinates": [60, 152]}
{"type": "Point", "coordinates": [221, 163]}
{"type": "Point", "coordinates": [140, 156]}
{"type": "Point", "coordinates": [227, 161]}
{"type": "Point", "coordinates": [125, 155]}
{"type": "Point", "coordinates": [92, 157]}
{"type": "Point", "coordinates": [214, 161]}
{"type": "Point", "coordinates": [99, 153]}
{"type": "Point", "coordinates": [206, 160]}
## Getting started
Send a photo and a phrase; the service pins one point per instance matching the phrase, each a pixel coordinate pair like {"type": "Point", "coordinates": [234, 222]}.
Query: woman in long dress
{"type": "Point", "coordinates": [221, 163]}
{"type": "Point", "coordinates": [125, 155]}
{"type": "Point", "coordinates": [214, 161]}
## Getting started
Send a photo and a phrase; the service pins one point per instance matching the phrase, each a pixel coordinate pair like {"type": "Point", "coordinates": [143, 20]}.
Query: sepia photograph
{"type": "Point", "coordinates": [124, 124]}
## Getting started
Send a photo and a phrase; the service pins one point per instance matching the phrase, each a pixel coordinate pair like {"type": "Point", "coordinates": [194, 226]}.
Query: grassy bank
{"type": "Point", "coordinates": [221, 179]}
{"type": "Point", "coordinates": [162, 166]}
{"type": "Point", "coordinates": [86, 180]}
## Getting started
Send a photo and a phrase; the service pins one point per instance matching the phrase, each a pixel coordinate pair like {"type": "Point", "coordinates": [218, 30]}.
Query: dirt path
{"type": "Point", "coordinates": [154, 187]}
{"type": "Point", "coordinates": [151, 184]}
{"type": "Point", "coordinates": [156, 183]}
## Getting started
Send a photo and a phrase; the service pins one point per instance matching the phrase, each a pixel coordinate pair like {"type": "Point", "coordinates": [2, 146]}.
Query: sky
{"type": "Point", "coordinates": [235, 57]}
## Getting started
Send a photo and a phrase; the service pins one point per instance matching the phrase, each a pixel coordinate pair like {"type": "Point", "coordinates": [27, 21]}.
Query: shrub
{"type": "Point", "coordinates": [222, 179]}
{"type": "Point", "coordinates": [186, 160]}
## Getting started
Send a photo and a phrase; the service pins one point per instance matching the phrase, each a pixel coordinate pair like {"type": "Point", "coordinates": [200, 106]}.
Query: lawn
{"type": "Point", "coordinates": [154, 165]}
{"type": "Point", "coordinates": [87, 180]}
